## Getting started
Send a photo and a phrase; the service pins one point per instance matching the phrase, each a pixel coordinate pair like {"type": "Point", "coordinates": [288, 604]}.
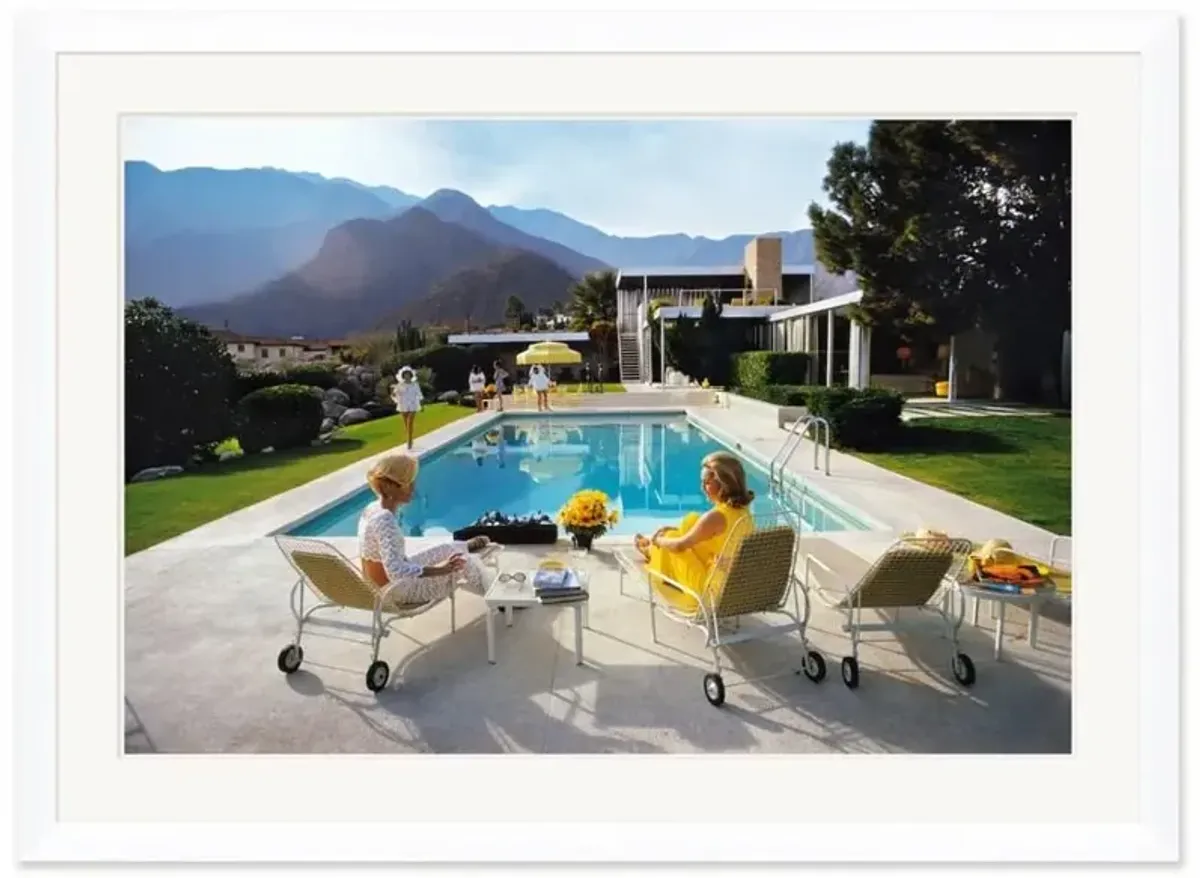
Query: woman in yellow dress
{"type": "Point", "coordinates": [687, 553]}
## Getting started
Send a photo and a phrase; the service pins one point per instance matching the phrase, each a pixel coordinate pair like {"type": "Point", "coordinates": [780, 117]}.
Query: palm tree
{"type": "Point", "coordinates": [593, 300]}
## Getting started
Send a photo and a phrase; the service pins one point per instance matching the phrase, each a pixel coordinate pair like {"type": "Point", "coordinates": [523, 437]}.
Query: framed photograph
{"type": "Point", "coordinates": [884, 309]}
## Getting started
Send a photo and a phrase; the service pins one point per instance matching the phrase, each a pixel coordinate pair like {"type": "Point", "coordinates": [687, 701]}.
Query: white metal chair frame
{"type": "Point", "coordinates": [386, 611]}
{"type": "Point", "coordinates": [951, 611]}
{"type": "Point", "coordinates": [708, 618]}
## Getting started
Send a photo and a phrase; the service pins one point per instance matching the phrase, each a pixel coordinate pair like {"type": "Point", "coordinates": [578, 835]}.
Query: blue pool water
{"type": "Point", "coordinates": [648, 465]}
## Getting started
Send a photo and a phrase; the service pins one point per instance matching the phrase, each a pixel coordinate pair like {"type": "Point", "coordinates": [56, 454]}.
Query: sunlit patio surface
{"type": "Point", "coordinates": [203, 629]}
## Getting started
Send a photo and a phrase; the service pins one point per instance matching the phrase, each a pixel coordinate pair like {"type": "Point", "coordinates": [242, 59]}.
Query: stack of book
{"type": "Point", "coordinates": [555, 584]}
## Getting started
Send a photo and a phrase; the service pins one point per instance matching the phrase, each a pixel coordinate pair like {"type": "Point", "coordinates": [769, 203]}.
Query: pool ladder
{"type": "Point", "coordinates": [792, 441]}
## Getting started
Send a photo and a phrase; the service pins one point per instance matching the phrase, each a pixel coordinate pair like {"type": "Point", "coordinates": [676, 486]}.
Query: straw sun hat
{"type": "Point", "coordinates": [398, 468]}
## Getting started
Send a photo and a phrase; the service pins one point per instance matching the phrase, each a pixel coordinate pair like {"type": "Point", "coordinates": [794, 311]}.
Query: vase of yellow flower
{"type": "Point", "coordinates": [587, 516]}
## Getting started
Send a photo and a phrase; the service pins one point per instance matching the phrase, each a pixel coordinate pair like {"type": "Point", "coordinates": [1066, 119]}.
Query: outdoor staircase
{"type": "Point", "coordinates": [627, 358]}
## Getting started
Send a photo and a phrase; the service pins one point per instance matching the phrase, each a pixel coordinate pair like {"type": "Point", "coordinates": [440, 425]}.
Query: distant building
{"type": "Point", "coordinates": [264, 350]}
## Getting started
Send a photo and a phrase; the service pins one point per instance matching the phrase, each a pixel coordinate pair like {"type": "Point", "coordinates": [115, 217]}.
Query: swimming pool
{"type": "Point", "coordinates": [648, 464]}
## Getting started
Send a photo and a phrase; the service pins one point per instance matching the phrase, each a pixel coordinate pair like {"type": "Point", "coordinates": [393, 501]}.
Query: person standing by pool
{"type": "Point", "coordinates": [500, 379]}
{"type": "Point", "coordinates": [477, 382]}
{"type": "Point", "coordinates": [540, 382]}
{"type": "Point", "coordinates": [425, 576]}
{"type": "Point", "coordinates": [408, 399]}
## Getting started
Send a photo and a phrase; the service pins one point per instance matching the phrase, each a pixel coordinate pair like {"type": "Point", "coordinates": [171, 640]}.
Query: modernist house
{"type": "Point", "coordinates": [789, 307]}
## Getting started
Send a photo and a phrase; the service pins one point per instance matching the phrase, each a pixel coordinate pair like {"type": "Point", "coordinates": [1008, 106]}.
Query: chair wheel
{"type": "Point", "coordinates": [814, 666]}
{"type": "Point", "coordinates": [377, 675]}
{"type": "Point", "coordinates": [714, 689]}
{"type": "Point", "coordinates": [850, 672]}
{"type": "Point", "coordinates": [963, 668]}
{"type": "Point", "coordinates": [290, 658]}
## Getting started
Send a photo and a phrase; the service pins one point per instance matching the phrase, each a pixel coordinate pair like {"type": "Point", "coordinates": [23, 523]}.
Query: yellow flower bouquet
{"type": "Point", "coordinates": [586, 516]}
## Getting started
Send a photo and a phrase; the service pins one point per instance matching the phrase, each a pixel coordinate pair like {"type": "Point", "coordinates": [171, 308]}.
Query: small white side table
{"type": "Point", "coordinates": [504, 595]}
{"type": "Point", "coordinates": [1000, 602]}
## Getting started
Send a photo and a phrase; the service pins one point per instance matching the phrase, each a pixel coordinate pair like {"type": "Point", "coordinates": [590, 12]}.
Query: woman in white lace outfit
{"type": "Point", "coordinates": [428, 575]}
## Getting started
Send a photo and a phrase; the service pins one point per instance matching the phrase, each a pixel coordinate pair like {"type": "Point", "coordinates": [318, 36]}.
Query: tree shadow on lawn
{"type": "Point", "coordinates": [259, 461]}
{"type": "Point", "coordinates": [933, 439]}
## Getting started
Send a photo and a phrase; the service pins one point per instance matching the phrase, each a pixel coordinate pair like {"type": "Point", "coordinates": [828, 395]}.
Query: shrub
{"type": "Point", "coordinates": [754, 369]}
{"type": "Point", "coordinates": [284, 416]}
{"type": "Point", "coordinates": [861, 419]}
{"type": "Point", "coordinates": [179, 385]}
{"type": "Point", "coordinates": [781, 394]}
{"type": "Point", "coordinates": [309, 375]}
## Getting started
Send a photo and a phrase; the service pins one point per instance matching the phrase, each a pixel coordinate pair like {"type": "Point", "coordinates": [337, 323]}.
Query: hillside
{"type": "Point", "coordinates": [364, 270]}
{"type": "Point", "coordinates": [477, 296]}
{"type": "Point", "coordinates": [192, 268]}
{"type": "Point", "coordinates": [655, 250]}
{"type": "Point", "coordinates": [202, 235]}
{"type": "Point", "coordinates": [163, 203]}
{"type": "Point", "coordinates": [455, 207]}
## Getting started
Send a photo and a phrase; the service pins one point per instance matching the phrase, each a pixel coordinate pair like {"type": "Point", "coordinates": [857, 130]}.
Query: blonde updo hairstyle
{"type": "Point", "coordinates": [393, 477]}
{"type": "Point", "coordinates": [729, 478]}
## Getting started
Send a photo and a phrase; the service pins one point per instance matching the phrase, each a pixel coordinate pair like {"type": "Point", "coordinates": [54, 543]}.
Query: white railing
{"type": "Point", "coordinates": [792, 441]}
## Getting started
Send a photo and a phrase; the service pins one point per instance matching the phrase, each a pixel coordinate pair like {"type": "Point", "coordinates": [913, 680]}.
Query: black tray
{"type": "Point", "coordinates": [512, 534]}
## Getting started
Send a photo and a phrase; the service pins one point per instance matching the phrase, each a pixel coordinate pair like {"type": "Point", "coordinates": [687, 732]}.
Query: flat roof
{"type": "Point", "coordinates": [819, 307]}
{"type": "Point", "coordinates": [705, 270]}
{"type": "Point", "coordinates": [514, 337]}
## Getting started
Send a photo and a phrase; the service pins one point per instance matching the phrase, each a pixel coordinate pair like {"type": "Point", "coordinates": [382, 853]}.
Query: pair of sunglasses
{"type": "Point", "coordinates": [512, 577]}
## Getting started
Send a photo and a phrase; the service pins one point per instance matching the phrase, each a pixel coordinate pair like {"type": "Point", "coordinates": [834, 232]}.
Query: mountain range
{"type": "Point", "coordinates": [277, 252]}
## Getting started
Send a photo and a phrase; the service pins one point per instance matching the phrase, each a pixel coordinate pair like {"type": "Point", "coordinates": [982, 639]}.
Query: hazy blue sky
{"type": "Point", "coordinates": [710, 177]}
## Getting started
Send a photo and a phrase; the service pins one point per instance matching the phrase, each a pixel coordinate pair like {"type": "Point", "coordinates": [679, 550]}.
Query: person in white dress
{"type": "Point", "coordinates": [477, 384]}
{"type": "Point", "coordinates": [540, 382]}
{"type": "Point", "coordinates": [425, 576]}
{"type": "Point", "coordinates": [407, 394]}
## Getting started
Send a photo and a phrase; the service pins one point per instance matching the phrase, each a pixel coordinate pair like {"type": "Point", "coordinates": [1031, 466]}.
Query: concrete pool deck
{"type": "Point", "coordinates": [207, 612]}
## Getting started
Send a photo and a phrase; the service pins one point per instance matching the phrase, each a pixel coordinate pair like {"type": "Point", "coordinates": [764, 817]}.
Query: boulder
{"type": "Point", "coordinates": [317, 392]}
{"type": "Point", "coordinates": [379, 409]}
{"type": "Point", "coordinates": [229, 455]}
{"type": "Point", "coordinates": [450, 396]}
{"type": "Point", "coordinates": [354, 416]}
{"type": "Point", "coordinates": [336, 396]}
{"type": "Point", "coordinates": [156, 472]}
{"type": "Point", "coordinates": [328, 425]}
{"type": "Point", "coordinates": [332, 409]}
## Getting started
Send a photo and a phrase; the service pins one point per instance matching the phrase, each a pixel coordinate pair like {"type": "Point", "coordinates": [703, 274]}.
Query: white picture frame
{"type": "Point", "coordinates": [65, 331]}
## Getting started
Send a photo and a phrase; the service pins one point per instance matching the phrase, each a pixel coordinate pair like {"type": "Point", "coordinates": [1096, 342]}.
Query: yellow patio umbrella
{"type": "Point", "coordinates": [548, 353]}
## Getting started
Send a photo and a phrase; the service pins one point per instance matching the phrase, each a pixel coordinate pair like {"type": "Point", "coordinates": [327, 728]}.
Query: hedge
{"type": "Point", "coordinates": [315, 375]}
{"type": "Point", "coordinates": [866, 420]}
{"type": "Point", "coordinates": [756, 369]}
{"type": "Point", "coordinates": [284, 416]}
{"type": "Point", "coordinates": [781, 394]}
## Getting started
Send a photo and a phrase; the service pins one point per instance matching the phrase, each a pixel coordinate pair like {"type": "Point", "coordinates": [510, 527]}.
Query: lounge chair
{"type": "Point", "coordinates": [910, 574]}
{"type": "Point", "coordinates": [753, 575]}
{"type": "Point", "coordinates": [338, 584]}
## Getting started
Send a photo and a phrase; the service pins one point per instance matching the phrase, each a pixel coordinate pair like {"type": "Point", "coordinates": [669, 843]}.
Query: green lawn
{"type": "Point", "coordinates": [1018, 465]}
{"type": "Point", "coordinates": [156, 511]}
